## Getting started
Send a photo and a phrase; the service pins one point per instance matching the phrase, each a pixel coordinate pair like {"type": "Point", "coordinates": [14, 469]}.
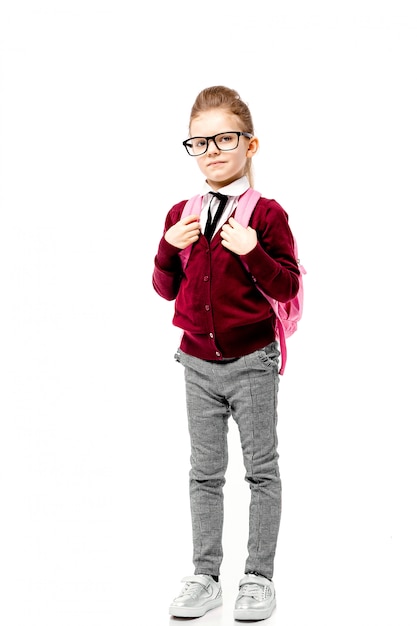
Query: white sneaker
{"type": "Point", "coordinates": [256, 598]}
{"type": "Point", "coordinates": [200, 594]}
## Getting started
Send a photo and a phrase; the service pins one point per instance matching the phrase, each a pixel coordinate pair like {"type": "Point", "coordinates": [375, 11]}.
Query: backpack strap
{"type": "Point", "coordinates": [245, 206]}
{"type": "Point", "coordinates": [191, 207]}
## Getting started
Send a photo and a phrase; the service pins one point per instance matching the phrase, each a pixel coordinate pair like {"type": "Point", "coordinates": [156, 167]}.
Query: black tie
{"type": "Point", "coordinates": [212, 222]}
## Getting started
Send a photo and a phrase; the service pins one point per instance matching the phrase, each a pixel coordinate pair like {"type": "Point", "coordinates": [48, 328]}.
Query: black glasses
{"type": "Point", "coordinates": [196, 146]}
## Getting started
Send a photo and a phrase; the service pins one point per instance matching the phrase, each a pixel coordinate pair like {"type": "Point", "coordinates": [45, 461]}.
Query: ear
{"type": "Point", "coordinates": [253, 147]}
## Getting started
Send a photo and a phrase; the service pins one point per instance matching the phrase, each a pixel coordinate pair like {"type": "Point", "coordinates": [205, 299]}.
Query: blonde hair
{"type": "Point", "coordinates": [229, 100]}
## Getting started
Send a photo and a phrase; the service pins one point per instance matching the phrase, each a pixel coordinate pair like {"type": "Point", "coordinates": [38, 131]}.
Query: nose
{"type": "Point", "coordinates": [212, 148]}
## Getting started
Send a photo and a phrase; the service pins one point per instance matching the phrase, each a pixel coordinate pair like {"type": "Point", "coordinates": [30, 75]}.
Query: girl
{"type": "Point", "coordinates": [228, 347]}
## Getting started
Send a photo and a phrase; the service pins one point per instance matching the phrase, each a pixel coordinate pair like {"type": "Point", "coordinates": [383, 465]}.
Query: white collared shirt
{"type": "Point", "coordinates": [234, 191]}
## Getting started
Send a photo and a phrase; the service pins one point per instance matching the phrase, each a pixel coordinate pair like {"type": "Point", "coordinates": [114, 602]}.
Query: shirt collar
{"type": "Point", "coordinates": [236, 188]}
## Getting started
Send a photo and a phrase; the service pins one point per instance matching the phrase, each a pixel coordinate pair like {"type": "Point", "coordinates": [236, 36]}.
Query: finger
{"type": "Point", "coordinates": [227, 228]}
{"type": "Point", "coordinates": [191, 225]}
{"type": "Point", "coordinates": [227, 244]}
{"type": "Point", "coordinates": [235, 224]}
{"type": "Point", "coordinates": [225, 233]}
{"type": "Point", "coordinates": [194, 230]}
{"type": "Point", "coordinates": [190, 218]}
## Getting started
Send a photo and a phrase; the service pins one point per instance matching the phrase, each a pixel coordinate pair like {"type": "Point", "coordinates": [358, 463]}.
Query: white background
{"type": "Point", "coordinates": [95, 101]}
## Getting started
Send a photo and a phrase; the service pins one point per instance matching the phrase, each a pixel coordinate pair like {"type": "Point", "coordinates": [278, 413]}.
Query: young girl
{"type": "Point", "coordinates": [228, 347]}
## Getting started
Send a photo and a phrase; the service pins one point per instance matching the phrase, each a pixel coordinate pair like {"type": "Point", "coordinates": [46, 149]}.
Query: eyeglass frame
{"type": "Point", "coordinates": [239, 134]}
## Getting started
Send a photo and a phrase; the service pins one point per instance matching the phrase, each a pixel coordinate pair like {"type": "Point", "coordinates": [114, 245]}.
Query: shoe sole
{"type": "Point", "coordinates": [199, 611]}
{"type": "Point", "coordinates": [251, 614]}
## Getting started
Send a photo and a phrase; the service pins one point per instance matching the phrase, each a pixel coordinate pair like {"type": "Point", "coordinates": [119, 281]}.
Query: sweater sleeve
{"type": "Point", "coordinates": [167, 272]}
{"type": "Point", "coordinates": [272, 262]}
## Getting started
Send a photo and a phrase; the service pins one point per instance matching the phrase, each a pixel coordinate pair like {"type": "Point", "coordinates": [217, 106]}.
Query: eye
{"type": "Point", "coordinates": [199, 142]}
{"type": "Point", "coordinates": [225, 138]}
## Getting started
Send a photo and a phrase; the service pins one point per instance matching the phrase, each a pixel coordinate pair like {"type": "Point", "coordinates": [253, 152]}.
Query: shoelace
{"type": "Point", "coordinates": [191, 589]}
{"type": "Point", "coordinates": [255, 591]}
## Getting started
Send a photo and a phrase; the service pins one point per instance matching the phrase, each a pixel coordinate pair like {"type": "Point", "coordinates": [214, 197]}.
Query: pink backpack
{"type": "Point", "coordinates": [287, 314]}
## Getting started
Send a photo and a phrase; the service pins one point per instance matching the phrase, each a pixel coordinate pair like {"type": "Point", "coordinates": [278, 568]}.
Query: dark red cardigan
{"type": "Point", "coordinates": [217, 305]}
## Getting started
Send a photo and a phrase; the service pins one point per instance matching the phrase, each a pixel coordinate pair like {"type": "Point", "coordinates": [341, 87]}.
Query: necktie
{"type": "Point", "coordinates": [212, 221]}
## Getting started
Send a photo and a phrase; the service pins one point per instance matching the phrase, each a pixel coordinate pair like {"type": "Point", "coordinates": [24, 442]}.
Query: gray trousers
{"type": "Point", "coordinates": [247, 389]}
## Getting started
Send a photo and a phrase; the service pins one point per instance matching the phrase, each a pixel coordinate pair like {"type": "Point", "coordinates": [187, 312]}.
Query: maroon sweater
{"type": "Point", "coordinates": [218, 306]}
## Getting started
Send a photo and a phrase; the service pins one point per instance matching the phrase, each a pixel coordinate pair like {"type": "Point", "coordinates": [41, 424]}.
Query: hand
{"type": "Point", "coordinates": [184, 233]}
{"type": "Point", "coordinates": [237, 238]}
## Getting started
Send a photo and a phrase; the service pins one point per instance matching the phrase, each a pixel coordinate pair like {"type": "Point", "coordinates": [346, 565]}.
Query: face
{"type": "Point", "coordinates": [221, 168]}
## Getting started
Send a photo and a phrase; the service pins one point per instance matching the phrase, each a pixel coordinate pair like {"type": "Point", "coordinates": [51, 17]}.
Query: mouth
{"type": "Point", "coordinates": [214, 163]}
